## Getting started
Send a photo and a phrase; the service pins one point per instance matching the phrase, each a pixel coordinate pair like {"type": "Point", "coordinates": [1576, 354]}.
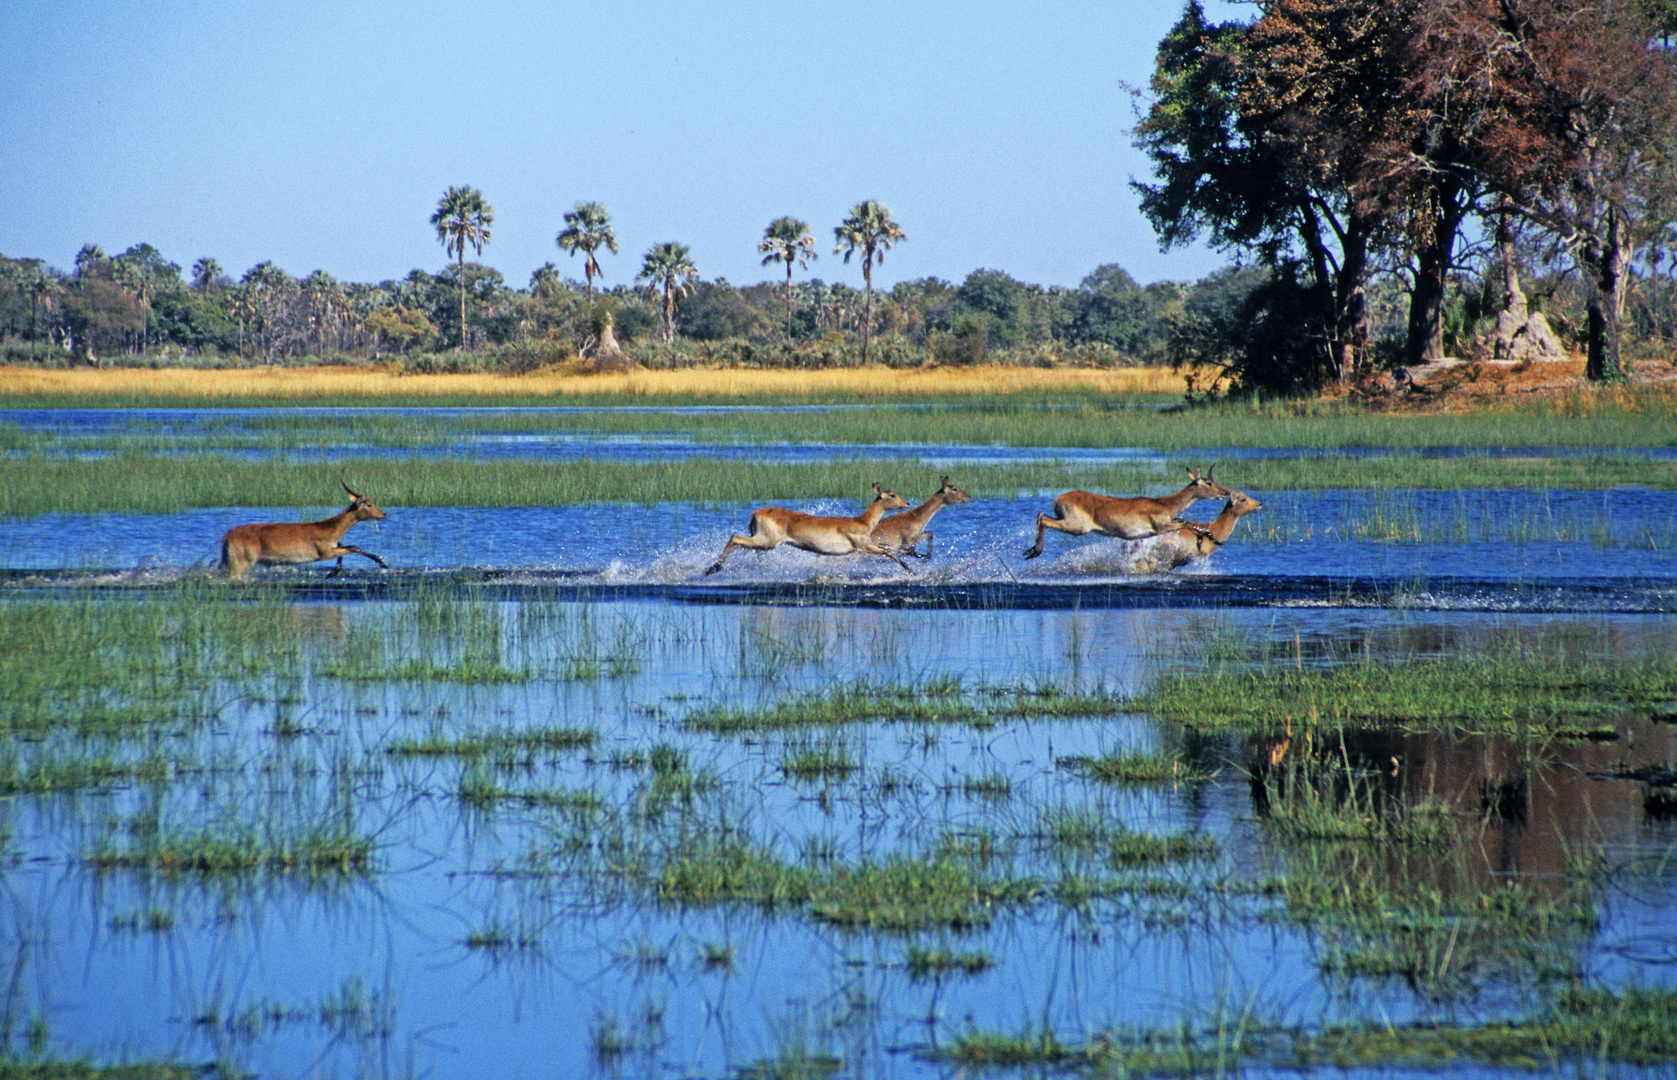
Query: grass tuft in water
{"type": "Point", "coordinates": [939, 702]}
{"type": "Point", "coordinates": [1121, 767]}
{"type": "Point", "coordinates": [316, 852]}
{"type": "Point", "coordinates": [1516, 694]}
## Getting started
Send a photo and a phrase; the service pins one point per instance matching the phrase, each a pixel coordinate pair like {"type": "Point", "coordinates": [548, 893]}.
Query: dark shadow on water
{"type": "Point", "coordinates": [1463, 594]}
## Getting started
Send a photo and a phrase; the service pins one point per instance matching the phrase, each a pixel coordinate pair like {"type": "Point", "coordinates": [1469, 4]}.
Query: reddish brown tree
{"type": "Point", "coordinates": [1567, 109]}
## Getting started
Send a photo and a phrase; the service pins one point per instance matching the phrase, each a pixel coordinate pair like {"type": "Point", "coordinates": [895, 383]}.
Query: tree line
{"type": "Point", "coordinates": [138, 303]}
{"type": "Point", "coordinates": [1393, 180]}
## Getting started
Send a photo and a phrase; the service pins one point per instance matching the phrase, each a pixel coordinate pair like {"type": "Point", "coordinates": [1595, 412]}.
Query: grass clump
{"type": "Point", "coordinates": [316, 852]}
{"type": "Point", "coordinates": [934, 703]}
{"type": "Point", "coordinates": [484, 792]}
{"type": "Point", "coordinates": [499, 745]}
{"type": "Point", "coordinates": [1520, 695]}
{"type": "Point", "coordinates": [932, 963]}
{"type": "Point", "coordinates": [1635, 1027]}
{"type": "Point", "coordinates": [898, 894]}
{"type": "Point", "coordinates": [1121, 767]}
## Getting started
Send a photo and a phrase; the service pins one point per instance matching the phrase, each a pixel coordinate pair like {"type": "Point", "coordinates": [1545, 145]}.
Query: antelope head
{"type": "Point", "coordinates": [891, 499]}
{"type": "Point", "coordinates": [1205, 487]}
{"type": "Point", "coordinates": [363, 506]}
{"type": "Point", "coordinates": [951, 493]}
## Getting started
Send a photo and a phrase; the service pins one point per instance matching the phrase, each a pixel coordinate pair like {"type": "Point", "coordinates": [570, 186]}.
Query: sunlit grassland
{"type": "Point", "coordinates": [337, 386]}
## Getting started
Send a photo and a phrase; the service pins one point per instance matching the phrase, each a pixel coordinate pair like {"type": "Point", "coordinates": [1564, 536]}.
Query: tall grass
{"type": "Point", "coordinates": [30, 387]}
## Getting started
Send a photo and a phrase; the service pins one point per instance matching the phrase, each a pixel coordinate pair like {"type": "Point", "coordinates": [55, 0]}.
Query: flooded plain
{"type": "Point", "coordinates": [543, 798]}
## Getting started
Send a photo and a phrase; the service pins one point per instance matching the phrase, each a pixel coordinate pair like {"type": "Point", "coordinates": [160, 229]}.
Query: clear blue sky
{"type": "Point", "coordinates": [320, 134]}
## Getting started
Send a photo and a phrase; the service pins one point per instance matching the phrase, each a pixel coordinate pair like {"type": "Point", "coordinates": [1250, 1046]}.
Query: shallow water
{"type": "Point", "coordinates": [378, 975]}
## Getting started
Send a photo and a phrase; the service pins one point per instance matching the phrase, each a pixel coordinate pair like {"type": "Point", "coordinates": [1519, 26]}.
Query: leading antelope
{"type": "Point", "coordinates": [1080, 512]}
{"type": "Point", "coordinates": [902, 532]}
{"type": "Point", "coordinates": [772, 526]}
{"type": "Point", "coordinates": [287, 544]}
{"type": "Point", "coordinates": [1193, 539]}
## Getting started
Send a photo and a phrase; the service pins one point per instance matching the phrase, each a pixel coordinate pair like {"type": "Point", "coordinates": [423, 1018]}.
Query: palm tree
{"type": "Point", "coordinates": [788, 240]}
{"type": "Point", "coordinates": [545, 281]}
{"type": "Point", "coordinates": [325, 305]}
{"type": "Point", "coordinates": [668, 268]}
{"type": "Point", "coordinates": [205, 273]}
{"type": "Point", "coordinates": [870, 230]}
{"type": "Point", "coordinates": [462, 218]}
{"type": "Point", "coordinates": [89, 257]}
{"type": "Point", "coordinates": [586, 228]}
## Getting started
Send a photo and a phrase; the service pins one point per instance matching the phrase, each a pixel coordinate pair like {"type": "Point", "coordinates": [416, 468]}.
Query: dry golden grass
{"type": "Point", "coordinates": [304, 383]}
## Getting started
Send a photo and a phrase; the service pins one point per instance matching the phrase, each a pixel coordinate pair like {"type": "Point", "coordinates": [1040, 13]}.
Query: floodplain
{"type": "Point", "coordinates": [1388, 781]}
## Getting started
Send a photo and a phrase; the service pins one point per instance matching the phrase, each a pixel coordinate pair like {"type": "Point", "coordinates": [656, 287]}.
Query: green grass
{"type": "Point", "coordinates": [316, 852]}
{"type": "Point", "coordinates": [1514, 694]}
{"type": "Point", "coordinates": [160, 484]}
{"type": "Point", "coordinates": [938, 702]}
{"type": "Point", "coordinates": [929, 963]}
{"type": "Point", "coordinates": [894, 895]}
{"type": "Point", "coordinates": [515, 745]}
{"type": "Point", "coordinates": [54, 1069]}
{"type": "Point", "coordinates": [1061, 417]}
{"type": "Point", "coordinates": [1636, 1027]}
{"type": "Point", "coordinates": [1121, 767]}
{"type": "Point", "coordinates": [819, 763]}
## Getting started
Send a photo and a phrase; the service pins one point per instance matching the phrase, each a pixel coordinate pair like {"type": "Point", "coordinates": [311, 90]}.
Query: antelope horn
{"type": "Point", "coordinates": [352, 492]}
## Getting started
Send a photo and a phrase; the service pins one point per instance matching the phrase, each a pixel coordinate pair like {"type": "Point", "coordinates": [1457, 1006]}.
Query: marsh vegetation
{"type": "Point", "coordinates": [429, 822]}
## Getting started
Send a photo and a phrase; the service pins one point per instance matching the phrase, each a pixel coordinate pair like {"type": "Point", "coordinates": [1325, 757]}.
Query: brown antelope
{"type": "Point", "coordinates": [1176, 546]}
{"type": "Point", "coordinates": [1080, 512]}
{"type": "Point", "coordinates": [771, 526]}
{"type": "Point", "coordinates": [902, 532]}
{"type": "Point", "coordinates": [286, 544]}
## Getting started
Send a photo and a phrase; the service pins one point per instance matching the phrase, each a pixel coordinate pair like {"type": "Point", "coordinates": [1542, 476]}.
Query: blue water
{"type": "Point", "coordinates": [1399, 573]}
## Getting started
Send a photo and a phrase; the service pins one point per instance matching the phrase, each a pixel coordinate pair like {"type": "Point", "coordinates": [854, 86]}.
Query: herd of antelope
{"type": "Point", "coordinates": [1077, 513]}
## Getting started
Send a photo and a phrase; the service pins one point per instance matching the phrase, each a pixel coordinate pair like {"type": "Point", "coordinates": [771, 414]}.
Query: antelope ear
{"type": "Point", "coordinates": [877, 490]}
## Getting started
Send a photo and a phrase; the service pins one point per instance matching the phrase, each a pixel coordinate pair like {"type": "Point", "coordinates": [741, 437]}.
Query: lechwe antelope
{"type": "Point", "coordinates": [772, 526]}
{"type": "Point", "coordinates": [1194, 539]}
{"type": "Point", "coordinates": [1080, 512]}
{"type": "Point", "coordinates": [902, 532]}
{"type": "Point", "coordinates": [285, 544]}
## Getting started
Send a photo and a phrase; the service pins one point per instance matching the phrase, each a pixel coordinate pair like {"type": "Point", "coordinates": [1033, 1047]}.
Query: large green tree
{"type": "Point", "coordinates": [1301, 135]}
{"type": "Point", "coordinates": [787, 240]}
{"type": "Point", "coordinates": [587, 229]}
{"type": "Point", "coordinates": [669, 273]}
{"type": "Point", "coordinates": [869, 230]}
{"type": "Point", "coordinates": [463, 219]}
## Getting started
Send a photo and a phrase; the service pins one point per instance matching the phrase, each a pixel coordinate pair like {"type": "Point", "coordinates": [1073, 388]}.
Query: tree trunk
{"type": "Point", "coordinates": [462, 297]}
{"type": "Point", "coordinates": [1606, 301]}
{"type": "Point", "coordinates": [1426, 304]}
{"type": "Point", "coordinates": [1350, 325]}
{"type": "Point", "coordinates": [867, 305]}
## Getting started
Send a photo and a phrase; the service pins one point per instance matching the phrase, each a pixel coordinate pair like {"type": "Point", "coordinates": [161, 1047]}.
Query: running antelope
{"type": "Point", "coordinates": [1080, 512]}
{"type": "Point", "coordinates": [902, 532]}
{"type": "Point", "coordinates": [285, 544]}
{"type": "Point", "coordinates": [1192, 539]}
{"type": "Point", "coordinates": [772, 526]}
